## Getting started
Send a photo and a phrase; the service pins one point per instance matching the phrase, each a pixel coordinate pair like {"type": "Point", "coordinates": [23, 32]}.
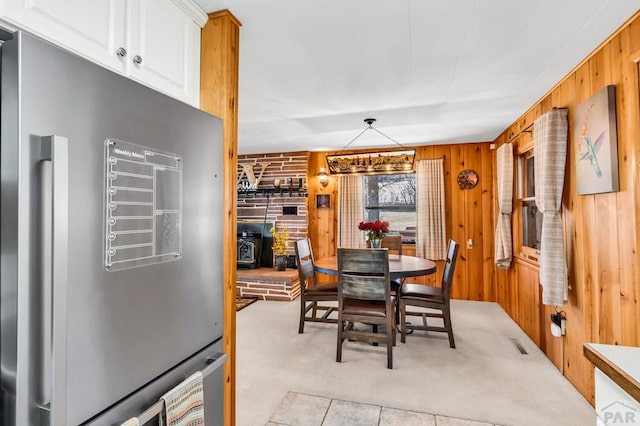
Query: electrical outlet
{"type": "Point", "coordinates": [470, 243]}
{"type": "Point", "coordinates": [563, 326]}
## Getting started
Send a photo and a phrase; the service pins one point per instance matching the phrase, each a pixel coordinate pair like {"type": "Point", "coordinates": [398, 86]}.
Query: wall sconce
{"type": "Point", "coordinates": [323, 177]}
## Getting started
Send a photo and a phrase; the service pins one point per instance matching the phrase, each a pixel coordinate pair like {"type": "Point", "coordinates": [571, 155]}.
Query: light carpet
{"type": "Point", "coordinates": [485, 378]}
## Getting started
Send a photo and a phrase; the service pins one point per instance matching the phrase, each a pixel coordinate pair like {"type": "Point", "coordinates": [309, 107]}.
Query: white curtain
{"type": "Point", "coordinates": [431, 239]}
{"type": "Point", "coordinates": [504, 247]}
{"type": "Point", "coordinates": [550, 150]}
{"type": "Point", "coordinates": [350, 210]}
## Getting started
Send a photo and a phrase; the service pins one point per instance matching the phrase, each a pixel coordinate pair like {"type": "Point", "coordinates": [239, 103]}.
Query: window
{"type": "Point", "coordinates": [392, 198]}
{"type": "Point", "coordinates": [531, 217]}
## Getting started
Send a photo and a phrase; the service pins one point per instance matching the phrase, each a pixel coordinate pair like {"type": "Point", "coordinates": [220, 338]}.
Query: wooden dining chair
{"type": "Point", "coordinates": [432, 297]}
{"type": "Point", "coordinates": [393, 243]}
{"type": "Point", "coordinates": [364, 297]}
{"type": "Point", "coordinates": [311, 290]}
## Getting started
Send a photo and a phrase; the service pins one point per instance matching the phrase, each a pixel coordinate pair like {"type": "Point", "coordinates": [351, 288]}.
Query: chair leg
{"type": "Point", "coordinates": [397, 308]}
{"type": "Point", "coordinates": [302, 312]}
{"type": "Point", "coordinates": [390, 349]}
{"type": "Point", "coordinates": [392, 326]}
{"type": "Point", "coordinates": [447, 324]}
{"type": "Point", "coordinates": [340, 340]}
{"type": "Point", "coordinates": [374, 329]}
{"type": "Point", "coordinates": [403, 321]}
{"type": "Point", "coordinates": [393, 330]}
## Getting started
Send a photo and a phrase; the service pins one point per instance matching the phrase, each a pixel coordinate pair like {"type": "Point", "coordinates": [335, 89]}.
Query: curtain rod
{"type": "Point", "coordinates": [525, 130]}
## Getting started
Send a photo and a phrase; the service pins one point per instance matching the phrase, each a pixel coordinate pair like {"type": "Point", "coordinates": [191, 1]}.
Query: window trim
{"type": "Point", "coordinates": [525, 253]}
{"type": "Point", "coordinates": [400, 208]}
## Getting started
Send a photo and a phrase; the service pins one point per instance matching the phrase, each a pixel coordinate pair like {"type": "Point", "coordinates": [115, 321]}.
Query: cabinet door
{"type": "Point", "coordinates": [165, 49]}
{"type": "Point", "coordinates": [93, 29]}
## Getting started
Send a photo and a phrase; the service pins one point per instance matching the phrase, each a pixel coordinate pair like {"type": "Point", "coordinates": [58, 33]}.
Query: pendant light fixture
{"type": "Point", "coordinates": [372, 162]}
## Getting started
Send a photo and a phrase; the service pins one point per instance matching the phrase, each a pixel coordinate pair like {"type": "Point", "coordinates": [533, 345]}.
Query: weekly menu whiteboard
{"type": "Point", "coordinates": [143, 203]}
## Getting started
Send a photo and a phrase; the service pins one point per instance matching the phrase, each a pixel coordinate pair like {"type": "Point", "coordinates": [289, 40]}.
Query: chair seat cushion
{"type": "Point", "coordinates": [372, 308]}
{"type": "Point", "coordinates": [323, 287]}
{"type": "Point", "coordinates": [422, 291]}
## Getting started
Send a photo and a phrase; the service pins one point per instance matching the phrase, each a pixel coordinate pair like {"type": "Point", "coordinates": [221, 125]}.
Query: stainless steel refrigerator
{"type": "Point", "coordinates": [111, 209]}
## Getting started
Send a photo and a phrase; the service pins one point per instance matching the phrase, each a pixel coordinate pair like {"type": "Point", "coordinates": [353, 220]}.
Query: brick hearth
{"type": "Point", "coordinates": [268, 284]}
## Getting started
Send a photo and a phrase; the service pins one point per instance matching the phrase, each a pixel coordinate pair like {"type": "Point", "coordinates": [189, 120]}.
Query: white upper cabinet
{"type": "Point", "coordinates": [155, 42]}
{"type": "Point", "coordinates": [164, 41]}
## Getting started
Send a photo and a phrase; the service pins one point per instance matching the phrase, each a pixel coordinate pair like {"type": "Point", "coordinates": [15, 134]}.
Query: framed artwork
{"type": "Point", "coordinates": [323, 201]}
{"type": "Point", "coordinates": [596, 143]}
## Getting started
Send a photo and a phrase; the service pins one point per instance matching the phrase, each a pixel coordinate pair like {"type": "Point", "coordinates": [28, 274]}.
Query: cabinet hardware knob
{"type": "Point", "coordinates": [137, 59]}
{"type": "Point", "coordinates": [122, 52]}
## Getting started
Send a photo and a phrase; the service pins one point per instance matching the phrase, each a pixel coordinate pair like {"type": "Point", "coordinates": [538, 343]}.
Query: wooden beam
{"type": "Point", "coordinates": [218, 96]}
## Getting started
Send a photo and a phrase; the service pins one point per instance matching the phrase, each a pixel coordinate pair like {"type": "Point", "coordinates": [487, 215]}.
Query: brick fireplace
{"type": "Point", "coordinates": [268, 284]}
{"type": "Point", "coordinates": [280, 197]}
{"type": "Point", "coordinates": [286, 204]}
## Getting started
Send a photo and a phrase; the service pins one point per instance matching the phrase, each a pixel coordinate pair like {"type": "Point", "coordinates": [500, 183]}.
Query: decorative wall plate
{"type": "Point", "coordinates": [467, 179]}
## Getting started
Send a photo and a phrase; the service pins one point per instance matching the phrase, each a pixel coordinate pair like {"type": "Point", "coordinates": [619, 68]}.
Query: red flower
{"type": "Point", "coordinates": [375, 229]}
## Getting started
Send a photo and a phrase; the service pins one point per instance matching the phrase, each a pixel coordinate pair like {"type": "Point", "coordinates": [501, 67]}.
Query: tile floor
{"type": "Point", "coordinates": [297, 409]}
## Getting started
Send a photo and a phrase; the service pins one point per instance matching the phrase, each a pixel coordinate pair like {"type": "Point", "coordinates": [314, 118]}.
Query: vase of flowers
{"type": "Point", "coordinates": [374, 231]}
{"type": "Point", "coordinates": [280, 239]}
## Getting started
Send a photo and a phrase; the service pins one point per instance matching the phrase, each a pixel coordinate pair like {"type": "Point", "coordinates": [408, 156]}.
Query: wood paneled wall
{"type": "Point", "coordinates": [470, 216]}
{"type": "Point", "coordinates": [601, 231]}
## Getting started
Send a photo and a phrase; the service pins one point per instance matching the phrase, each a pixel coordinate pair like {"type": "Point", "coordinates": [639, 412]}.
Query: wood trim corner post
{"type": "Point", "coordinates": [218, 96]}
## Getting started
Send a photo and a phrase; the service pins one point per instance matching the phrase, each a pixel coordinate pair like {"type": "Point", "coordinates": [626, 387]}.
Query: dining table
{"type": "Point", "coordinates": [400, 266]}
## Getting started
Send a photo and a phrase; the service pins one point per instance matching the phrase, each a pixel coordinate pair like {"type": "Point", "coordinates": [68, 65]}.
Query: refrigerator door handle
{"type": "Point", "coordinates": [214, 362]}
{"type": "Point", "coordinates": [55, 149]}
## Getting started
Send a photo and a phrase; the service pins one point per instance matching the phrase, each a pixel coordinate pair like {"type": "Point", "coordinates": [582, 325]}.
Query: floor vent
{"type": "Point", "coordinates": [518, 346]}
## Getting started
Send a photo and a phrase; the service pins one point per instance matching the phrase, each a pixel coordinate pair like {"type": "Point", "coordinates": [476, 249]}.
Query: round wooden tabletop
{"type": "Point", "coordinates": [399, 266]}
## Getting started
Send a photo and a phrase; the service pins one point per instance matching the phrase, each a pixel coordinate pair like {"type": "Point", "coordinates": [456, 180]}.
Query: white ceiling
{"type": "Point", "coordinates": [430, 71]}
